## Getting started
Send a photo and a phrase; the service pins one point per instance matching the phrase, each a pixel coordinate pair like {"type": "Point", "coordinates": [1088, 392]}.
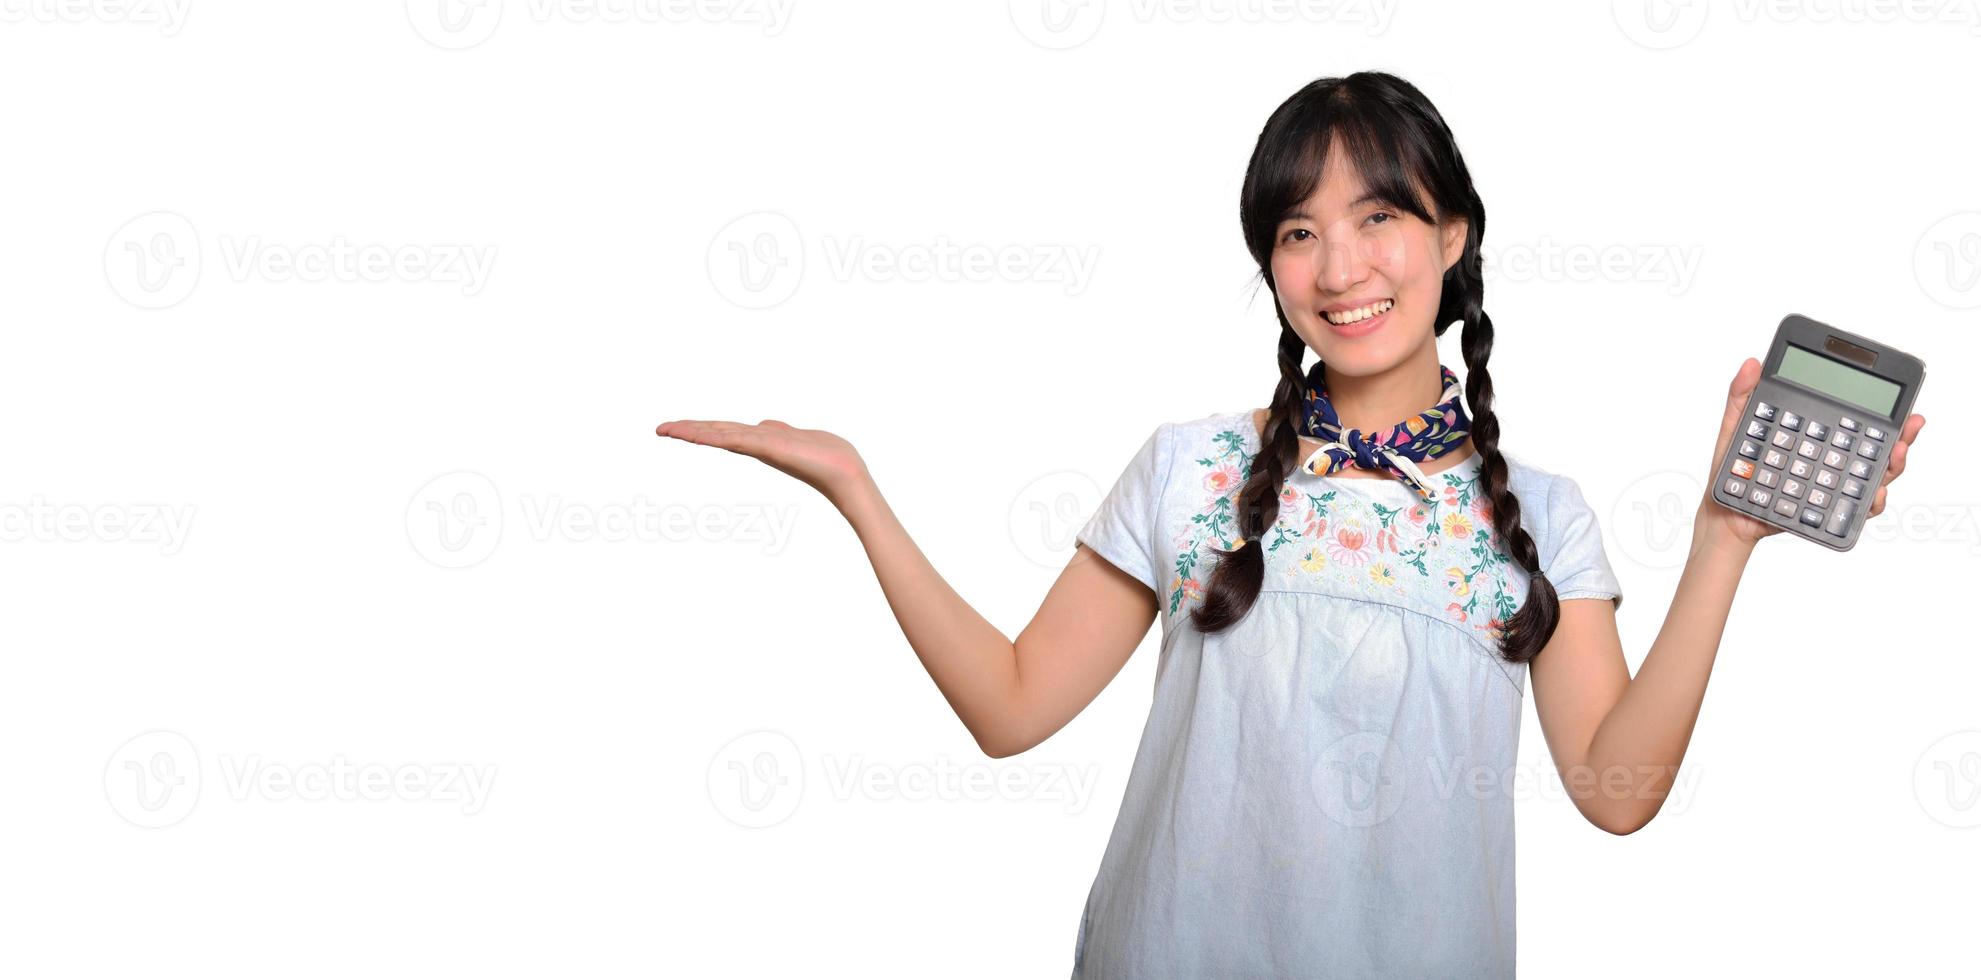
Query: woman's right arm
{"type": "Point", "coordinates": [1011, 695]}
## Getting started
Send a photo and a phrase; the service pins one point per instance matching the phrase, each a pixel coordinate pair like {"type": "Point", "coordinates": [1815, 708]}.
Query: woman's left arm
{"type": "Point", "coordinates": [1617, 741]}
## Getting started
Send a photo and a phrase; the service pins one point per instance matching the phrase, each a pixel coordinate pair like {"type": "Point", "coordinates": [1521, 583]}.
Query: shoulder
{"type": "Point", "coordinates": [1547, 496]}
{"type": "Point", "coordinates": [1219, 435]}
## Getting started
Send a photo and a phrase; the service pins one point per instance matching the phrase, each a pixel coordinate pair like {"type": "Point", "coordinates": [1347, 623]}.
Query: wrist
{"type": "Point", "coordinates": [856, 497]}
{"type": "Point", "coordinates": [1713, 537]}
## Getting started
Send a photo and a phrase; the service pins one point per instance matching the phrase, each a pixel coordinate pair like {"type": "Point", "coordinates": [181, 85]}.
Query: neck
{"type": "Point", "coordinates": [1378, 402]}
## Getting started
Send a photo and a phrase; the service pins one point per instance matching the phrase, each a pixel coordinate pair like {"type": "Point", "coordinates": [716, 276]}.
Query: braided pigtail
{"type": "Point", "coordinates": [1240, 572]}
{"type": "Point", "coordinates": [1528, 631]}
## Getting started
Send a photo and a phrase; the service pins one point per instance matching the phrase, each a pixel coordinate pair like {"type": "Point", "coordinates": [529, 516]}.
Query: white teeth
{"type": "Point", "coordinates": [1343, 319]}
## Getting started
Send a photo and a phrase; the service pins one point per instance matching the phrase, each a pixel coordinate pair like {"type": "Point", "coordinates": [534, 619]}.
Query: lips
{"type": "Point", "coordinates": [1362, 327]}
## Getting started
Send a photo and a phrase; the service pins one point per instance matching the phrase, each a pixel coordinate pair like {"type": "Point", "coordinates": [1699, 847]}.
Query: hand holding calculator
{"type": "Point", "coordinates": [1815, 439]}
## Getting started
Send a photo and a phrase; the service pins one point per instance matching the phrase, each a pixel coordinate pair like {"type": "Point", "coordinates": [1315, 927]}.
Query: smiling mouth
{"type": "Point", "coordinates": [1347, 317]}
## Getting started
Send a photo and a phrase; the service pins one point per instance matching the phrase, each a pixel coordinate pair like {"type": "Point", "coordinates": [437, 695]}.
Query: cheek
{"type": "Point", "coordinates": [1292, 276]}
{"type": "Point", "coordinates": [1416, 265]}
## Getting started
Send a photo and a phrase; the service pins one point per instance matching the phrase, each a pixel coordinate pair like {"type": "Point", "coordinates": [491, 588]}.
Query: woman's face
{"type": "Point", "coordinates": [1344, 257]}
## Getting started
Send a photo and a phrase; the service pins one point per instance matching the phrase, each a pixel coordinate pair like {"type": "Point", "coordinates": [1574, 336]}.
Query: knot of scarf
{"type": "Point", "coordinates": [1397, 450]}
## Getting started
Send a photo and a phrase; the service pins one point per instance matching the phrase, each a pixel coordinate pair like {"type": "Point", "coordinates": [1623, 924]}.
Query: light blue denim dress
{"type": "Point", "coordinates": [1326, 789]}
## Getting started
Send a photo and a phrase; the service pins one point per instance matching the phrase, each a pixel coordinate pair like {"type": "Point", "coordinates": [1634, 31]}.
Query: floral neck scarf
{"type": "Point", "coordinates": [1397, 450]}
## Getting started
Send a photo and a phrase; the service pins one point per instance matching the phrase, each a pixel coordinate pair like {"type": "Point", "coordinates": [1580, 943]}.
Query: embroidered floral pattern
{"type": "Point", "coordinates": [1444, 547]}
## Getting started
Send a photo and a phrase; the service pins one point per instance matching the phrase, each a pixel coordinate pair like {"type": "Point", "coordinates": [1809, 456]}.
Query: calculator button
{"type": "Point", "coordinates": [1801, 468]}
{"type": "Point", "coordinates": [1819, 498]}
{"type": "Point", "coordinates": [1848, 423]}
{"type": "Point", "coordinates": [1813, 518]}
{"type": "Point", "coordinates": [1766, 478]}
{"type": "Point", "coordinates": [1749, 448]}
{"type": "Point", "coordinates": [1841, 440]}
{"type": "Point", "coordinates": [1743, 468]}
{"type": "Point", "coordinates": [1840, 521]}
{"type": "Point", "coordinates": [1860, 469]}
{"type": "Point", "coordinates": [1867, 449]}
{"type": "Point", "coordinates": [1785, 507]}
{"type": "Point", "coordinates": [1790, 420]}
{"type": "Point", "coordinates": [1783, 439]}
{"type": "Point", "coordinates": [1790, 488]}
{"type": "Point", "coordinates": [1774, 458]}
{"type": "Point", "coordinates": [1759, 497]}
{"type": "Point", "coordinates": [1826, 478]}
{"type": "Point", "coordinates": [1763, 410]}
{"type": "Point", "coordinates": [1853, 488]}
{"type": "Point", "coordinates": [1733, 487]}
{"type": "Point", "coordinates": [1817, 431]}
{"type": "Point", "coordinates": [1873, 432]}
{"type": "Point", "coordinates": [1757, 429]}
{"type": "Point", "coordinates": [1832, 458]}
{"type": "Point", "coordinates": [1807, 448]}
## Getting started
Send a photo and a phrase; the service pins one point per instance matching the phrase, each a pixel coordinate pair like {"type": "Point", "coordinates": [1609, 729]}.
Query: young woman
{"type": "Point", "coordinates": [1353, 584]}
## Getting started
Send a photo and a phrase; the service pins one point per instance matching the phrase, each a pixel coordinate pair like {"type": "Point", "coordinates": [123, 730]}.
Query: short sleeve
{"type": "Point", "coordinates": [1578, 568]}
{"type": "Point", "coordinates": [1123, 529]}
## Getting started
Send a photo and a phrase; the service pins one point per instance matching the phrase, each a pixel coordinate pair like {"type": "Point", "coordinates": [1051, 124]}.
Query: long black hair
{"type": "Point", "coordinates": [1399, 142]}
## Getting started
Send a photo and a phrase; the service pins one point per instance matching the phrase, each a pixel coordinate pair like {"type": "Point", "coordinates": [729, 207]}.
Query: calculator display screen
{"type": "Point", "coordinates": [1839, 380]}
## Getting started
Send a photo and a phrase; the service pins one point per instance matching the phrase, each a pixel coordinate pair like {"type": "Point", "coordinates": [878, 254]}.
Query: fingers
{"type": "Point", "coordinates": [707, 432]}
{"type": "Point", "coordinates": [681, 427]}
{"type": "Point", "coordinates": [1903, 448]}
{"type": "Point", "coordinates": [1878, 502]}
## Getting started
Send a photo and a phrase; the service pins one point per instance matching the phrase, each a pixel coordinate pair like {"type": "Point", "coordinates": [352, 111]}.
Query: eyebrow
{"type": "Point", "coordinates": [1300, 214]}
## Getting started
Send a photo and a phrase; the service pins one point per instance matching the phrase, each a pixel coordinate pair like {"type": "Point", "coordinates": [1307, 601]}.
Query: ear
{"type": "Point", "coordinates": [1454, 232]}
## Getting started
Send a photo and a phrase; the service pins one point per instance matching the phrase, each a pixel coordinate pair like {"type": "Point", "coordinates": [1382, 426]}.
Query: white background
{"type": "Point", "coordinates": [167, 164]}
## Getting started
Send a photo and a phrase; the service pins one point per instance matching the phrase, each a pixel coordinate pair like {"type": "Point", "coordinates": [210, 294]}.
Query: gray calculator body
{"type": "Point", "coordinates": [1812, 446]}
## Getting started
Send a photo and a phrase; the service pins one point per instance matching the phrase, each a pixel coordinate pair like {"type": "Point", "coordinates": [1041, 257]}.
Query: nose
{"type": "Point", "coordinates": [1343, 260]}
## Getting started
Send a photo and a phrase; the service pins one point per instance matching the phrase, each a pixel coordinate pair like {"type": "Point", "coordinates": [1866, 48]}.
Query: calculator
{"type": "Point", "coordinates": [1811, 448]}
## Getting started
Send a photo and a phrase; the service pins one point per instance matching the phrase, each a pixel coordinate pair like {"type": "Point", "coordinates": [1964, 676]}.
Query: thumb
{"type": "Point", "coordinates": [1742, 386]}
